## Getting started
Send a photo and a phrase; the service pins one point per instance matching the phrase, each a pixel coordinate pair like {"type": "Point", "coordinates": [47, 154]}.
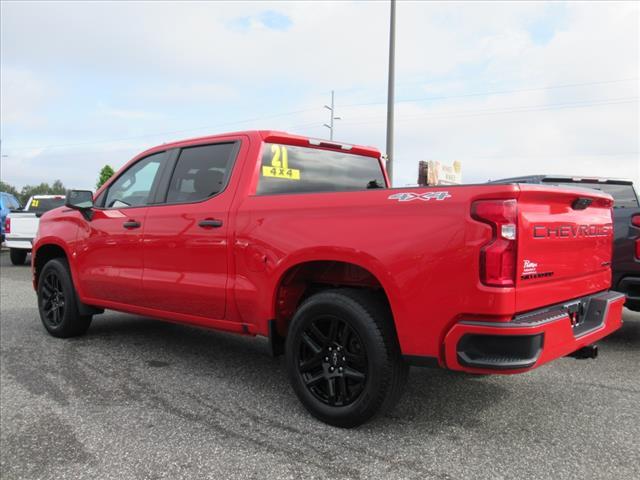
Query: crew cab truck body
{"type": "Point", "coordinates": [21, 225]}
{"type": "Point", "coordinates": [300, 240]}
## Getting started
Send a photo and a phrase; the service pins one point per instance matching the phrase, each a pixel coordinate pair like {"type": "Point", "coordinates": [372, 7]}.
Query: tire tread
{"type": "Point", "coordinates": [380, 328]}
{"type": "Point", "coordinates": [73, 324]}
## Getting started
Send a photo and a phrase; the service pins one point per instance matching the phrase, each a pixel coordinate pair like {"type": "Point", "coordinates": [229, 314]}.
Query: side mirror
{"type": "Point", "coordinates": [81, 200]}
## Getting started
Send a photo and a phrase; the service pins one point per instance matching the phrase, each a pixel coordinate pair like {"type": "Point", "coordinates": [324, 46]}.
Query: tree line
{"type": "Point", "coordinates": [56, 188]}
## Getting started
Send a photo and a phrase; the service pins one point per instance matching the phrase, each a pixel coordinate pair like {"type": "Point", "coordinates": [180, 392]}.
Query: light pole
{"type": "Point", "coordinates": [390, 92]}
{"type": "Point", "coordinates": [332, 117]}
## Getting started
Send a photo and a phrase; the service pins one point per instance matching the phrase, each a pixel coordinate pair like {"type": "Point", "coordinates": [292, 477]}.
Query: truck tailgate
{"type": "Point", "coordinates": [564, 246]}
{"type": "Point", "coordinates": [23, 225]}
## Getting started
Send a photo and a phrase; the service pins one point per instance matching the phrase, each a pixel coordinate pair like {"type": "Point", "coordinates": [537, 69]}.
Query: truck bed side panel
{"type": "Point", "coordinates": [424, 253]}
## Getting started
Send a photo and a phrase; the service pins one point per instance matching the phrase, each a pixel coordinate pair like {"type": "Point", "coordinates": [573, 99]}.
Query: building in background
{"type": "Point", "coordinates": [436, 173]}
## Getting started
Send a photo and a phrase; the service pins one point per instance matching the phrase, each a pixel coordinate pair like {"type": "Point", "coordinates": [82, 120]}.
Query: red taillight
{"type": "Point", "coordinates": [635, 221]}
{"type": "Point", "coordinates": [498, 257]}
{"type": "Point", "coordinates": [7, 225]}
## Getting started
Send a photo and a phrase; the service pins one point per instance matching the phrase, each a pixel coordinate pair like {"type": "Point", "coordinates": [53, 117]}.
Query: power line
{"type": "Point", "coordinates": [495, 92]}
{"type": "Point", "coordinates": [541, 107]}
{"type": "Point", "coordinates": [564, 155]}
{"type": "Point", "coordinates": [521, 109]}
{"type": "Point", "coordinates": [295, 112]}
{"type": "Point", "coordinates": [148, 135]}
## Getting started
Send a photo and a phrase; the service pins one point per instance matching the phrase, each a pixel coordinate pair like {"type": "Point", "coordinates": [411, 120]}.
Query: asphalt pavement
{"type": "Point", "coordinates": [137, 398]}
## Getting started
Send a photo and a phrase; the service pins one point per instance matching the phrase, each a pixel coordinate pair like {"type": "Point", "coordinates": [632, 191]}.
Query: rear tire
{"type": "Point", "coordinates": [343, 357]}
{"type": "Point", "coordinates": [58, 303]}
{"type": "Point", "coordinates": [18, 256]}
{"type": "Point", "coordinates": [633, 305]}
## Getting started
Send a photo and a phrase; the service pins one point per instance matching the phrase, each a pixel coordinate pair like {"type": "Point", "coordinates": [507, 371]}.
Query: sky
{"type": "Point", "coordinates": [507, 89]}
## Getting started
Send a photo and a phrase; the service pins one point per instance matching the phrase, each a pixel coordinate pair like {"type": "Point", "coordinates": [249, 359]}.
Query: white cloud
{"type": "Point", "coordinates": [189, 55]}
{"type": "Point", "coordinates": [127, 114]}
{"type": "Point", "coordinates": [24, 95]}
{"type": "Point", "coordinates": [189, 92]}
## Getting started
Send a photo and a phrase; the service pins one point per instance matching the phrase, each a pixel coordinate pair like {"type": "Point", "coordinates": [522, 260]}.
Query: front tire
{"type": "Point", "coordinates": [17, 256]}
{"type": "Point", "coordinates": [343, 358]}
{"type": "Point", "coordinates": [57, 301]}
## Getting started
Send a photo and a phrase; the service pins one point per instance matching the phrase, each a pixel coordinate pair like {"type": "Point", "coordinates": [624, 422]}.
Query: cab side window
{"type": "Point", "coordinates": [133, 188]}
{"type": "Point", "coordinates": [200, 172]}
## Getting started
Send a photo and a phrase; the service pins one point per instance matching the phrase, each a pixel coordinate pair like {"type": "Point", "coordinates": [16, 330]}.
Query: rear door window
{"type": "Point", "coordinates": [201, 172]}
{"type": "Point", "coordinates": [291, 169]}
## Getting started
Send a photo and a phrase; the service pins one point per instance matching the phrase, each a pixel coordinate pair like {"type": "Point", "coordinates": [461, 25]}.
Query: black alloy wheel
{"type": "Point", "coordinates": [53, 301]}
{"type": "Point", "coordinates": [332, 361]}
{"type": "Point", "coordinates": [343, 357]}
{"type": "Point", "coordinates": [58, 303]}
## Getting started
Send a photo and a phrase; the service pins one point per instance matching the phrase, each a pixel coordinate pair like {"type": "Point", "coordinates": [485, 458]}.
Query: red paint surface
{"type": "Point", "coordinates": [424, 254]}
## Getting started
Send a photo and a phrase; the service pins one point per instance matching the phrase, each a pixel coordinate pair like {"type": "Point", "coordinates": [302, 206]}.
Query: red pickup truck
{"type": "Point", "coordinates": [302, 241]}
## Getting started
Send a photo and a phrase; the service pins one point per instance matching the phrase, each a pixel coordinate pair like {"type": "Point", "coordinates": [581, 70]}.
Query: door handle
{"type": "Point", "coordinates": [210, 223]}
{"type": "Point", "coordinates": [131, 224]}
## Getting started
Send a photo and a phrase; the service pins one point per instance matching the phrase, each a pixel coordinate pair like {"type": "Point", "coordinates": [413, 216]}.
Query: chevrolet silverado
{"type": "Point", "coordinates": [303, 241]}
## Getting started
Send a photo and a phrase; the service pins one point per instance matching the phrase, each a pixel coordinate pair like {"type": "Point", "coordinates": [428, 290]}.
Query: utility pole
{"type": "Point", "coordinates": [332, 117]}
{"type": "Point", "coordinates": [391, 87]}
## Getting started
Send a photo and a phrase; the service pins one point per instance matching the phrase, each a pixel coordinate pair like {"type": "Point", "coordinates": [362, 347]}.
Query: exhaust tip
{"type": "Point", "coordinates": [590, 351]}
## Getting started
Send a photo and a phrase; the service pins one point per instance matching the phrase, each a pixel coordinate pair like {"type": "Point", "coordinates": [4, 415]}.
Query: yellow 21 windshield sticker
{"type": "Point", "coordinates": [279, 167]}
{"type": "Point", "coordinates": [35, 202]}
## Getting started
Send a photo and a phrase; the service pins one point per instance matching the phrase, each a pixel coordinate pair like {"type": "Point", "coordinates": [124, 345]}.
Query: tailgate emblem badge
{"type": "Point", "coordinates": [409, 196]}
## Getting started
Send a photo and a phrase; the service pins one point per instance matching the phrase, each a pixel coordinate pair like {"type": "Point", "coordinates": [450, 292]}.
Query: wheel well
{"type": "Point", "coordinates": [43, 255]}
{"type": "Point", "coordinates": [303, 280]}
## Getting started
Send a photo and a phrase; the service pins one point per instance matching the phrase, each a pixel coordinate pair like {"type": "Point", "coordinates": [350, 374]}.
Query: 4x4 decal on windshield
{"type": "Point", "coordinates": [409, 196]}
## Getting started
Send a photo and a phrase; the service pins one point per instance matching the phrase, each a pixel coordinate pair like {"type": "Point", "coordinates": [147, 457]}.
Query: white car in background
{"type": "Point", "coordinates": [20, 226]}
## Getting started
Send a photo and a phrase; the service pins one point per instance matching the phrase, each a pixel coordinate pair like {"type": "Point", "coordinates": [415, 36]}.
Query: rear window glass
{"type": "Point", "coordinates": [623, 195]}
{"type": "Point", "coordinates": [41, 205]}
{"type": "Point", "coordinates": [290, 169]}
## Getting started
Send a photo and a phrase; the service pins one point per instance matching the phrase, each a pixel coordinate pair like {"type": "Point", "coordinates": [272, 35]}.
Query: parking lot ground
{"type": "Point", "coordinates": [139, 398]}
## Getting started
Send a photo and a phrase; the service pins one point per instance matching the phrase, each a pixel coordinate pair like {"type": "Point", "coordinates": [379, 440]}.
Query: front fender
{"type": "Point", "coordinates": [58, 228]}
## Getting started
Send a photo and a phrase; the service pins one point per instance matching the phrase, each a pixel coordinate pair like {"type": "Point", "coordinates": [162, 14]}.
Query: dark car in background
{"type": "Point", "coordinates": [626, 224]}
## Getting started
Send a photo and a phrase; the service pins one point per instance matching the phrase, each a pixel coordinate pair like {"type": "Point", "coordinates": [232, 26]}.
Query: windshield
{"type": "Point", "coordinates": [623, 195]}
{"type": "Point", "coordinates": [290, 169]}
{"type": "Point", "coordinates": [41, 205]}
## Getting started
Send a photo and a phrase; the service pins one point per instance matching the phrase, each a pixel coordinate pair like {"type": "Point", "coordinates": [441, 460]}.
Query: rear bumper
{"type": "Point", "coordinates": [534, 338]}
{"type": "Point", "coordinates": [22, 243]}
